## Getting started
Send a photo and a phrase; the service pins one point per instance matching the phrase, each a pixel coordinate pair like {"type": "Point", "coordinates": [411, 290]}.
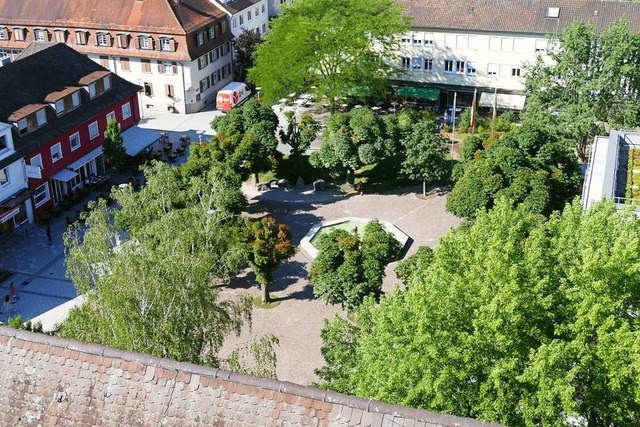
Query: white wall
{"type": "Point", "coordinates": [259, 21]}
{"type": "Point", "coordinates": [194, 76]}
{"type": "Point", "coordinates": [485, 52]}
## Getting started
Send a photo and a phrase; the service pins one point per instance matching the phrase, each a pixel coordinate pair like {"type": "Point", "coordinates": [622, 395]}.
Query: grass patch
{"type": "Point", "coordinates": [383, 175]}
{"type": "Point", "coordinates": [257, 302]}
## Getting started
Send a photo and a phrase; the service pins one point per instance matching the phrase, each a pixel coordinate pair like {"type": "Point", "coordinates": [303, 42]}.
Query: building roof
{"type": "Point", "coordinates": [30, 80]}
{"type": "Point", "coordinates": [168, 16]}
{"type": "Point", "coordinates": [235, 6]}
{"type": "Point", "coordinates": [53, 381]}
{"type": "Point", "coordinates": [518, 16]}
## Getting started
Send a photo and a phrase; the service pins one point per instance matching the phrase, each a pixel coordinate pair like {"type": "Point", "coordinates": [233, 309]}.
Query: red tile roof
{"type": "Point", "coordinates": [47, 380]}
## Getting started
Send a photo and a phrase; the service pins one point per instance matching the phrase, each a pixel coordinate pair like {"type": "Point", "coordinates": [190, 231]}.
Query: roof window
{"type": "Point", "coordinates": [552, 12]}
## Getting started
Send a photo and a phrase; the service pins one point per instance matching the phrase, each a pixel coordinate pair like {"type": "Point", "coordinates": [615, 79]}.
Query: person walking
{"type": "Point", "coordinates": [7, 306]}
{"type": "Point", "coordinates": [48, 230]}
{"type": "Point", "coordinates": [13, 292]}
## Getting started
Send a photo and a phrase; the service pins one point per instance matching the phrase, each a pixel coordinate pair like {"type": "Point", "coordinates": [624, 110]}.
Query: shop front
{"type": "Point", "coordinates": [16, 211]}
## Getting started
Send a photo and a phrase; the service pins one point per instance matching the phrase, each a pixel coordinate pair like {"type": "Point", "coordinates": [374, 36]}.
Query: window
{"type": "Point", "coordinates": [202, 62]}
{"type": "Point", "coordinates": [126, 111]}
{"type": "Point", "coordinates": [170, 67]}
{"type": "Point", "coordinates": [146, 65]}
{"type": "Point", "coordinates": [4, 35]}
{"type": "Point", "coordinates": [492, 69]}
{"type": "Point", "coordinates": [145, 42]}
{"type": "Point", "coordinates": [59, 107]}
{"type": "Point", "coordinates": [203, 85]}
{"type": "Point", "coordinates": [148, 89]}
{"type": "Point", "coordinates": [74, 140]}
{"type": "Point", "coordinates": [460, 67]}
{"type": "Point", "coordinates": [22, 126]}
{"type": "Point", "coordinates": [41, 195]}
{"type": "Point", "coordinates": [104, 61]}
{"type": "Point", "coordinates": [416, 63]}
{"type": "Point", "coordinates": [552, 12]}
{"type": "Point", "coordinates": [518, 45]}
{"type": "Point", "coordinates": [248, 15]}
{"type": "Point", "coordinates": [103, 39]}
{"type": "Point", "coordinates": [494, 43]}
{"type": "Point", "coordinates": [124, 64]}
{"type": "Point", "coordinates": [123, 41]}
{"type": "Point", "coordinates": [406, 62]}
{"type": "Point", "coordinates": [515, 71]}
{"type": "Point", "coordinates": [165, 44]}
{"type": "Point", "coordinates": [93, 130]}
{"type": "Point", "coordinates": [406, 38]}
{"type": "Point", "coordinates": [449, 40]}
{"type": "Point", "coordinates": [3, 143]}
{"type": "Point", "coordinates": [106, 80]}
{"type": "Point", "coordinates": [257, 11]}
{"type": "Point", "coordinates": [81, 37]}
{"type": "Point", "coordinates": [4, 177]}
{"type": "Point", "coordinates": [214, 78]}
{"type": "Point", "coordinates": [41, 117]}
{"type": "Point", "coordinates": [18, 34]}
{"type": "Point", "coordinates": [56, 152]}
{"type": "Point", "coordinates": [111, 116]}
{"type": "Point", "coordinates": [428, 39]}
{"type": "Point", "coordinates": [234, 23]}
{"type": "Point", "coordinates": [506, 44]}
{"type": "Point", "coordinates": [212, 33]}
{"type": "Point", "coordinates": [60, 35]}
{"type": "Point", "coordinates": [75, 99]}
{"type": "Point", "coordinates": [36, 161]}
{"type": "Point", "coordinates": [462, 42]}
{"type": "Point", "coordinates": [428, 64]}
{"type": "Point", "coordinates": [241, 19]}
{"type": "Point", "coordinates": [92, 90]}
{"type": "Point", "coordinates": [541, 45]}
{"type": "Point", "coordinates": [417, 40]}
{"type": "Point", "coordinates": [471, 70]}
{"type": "Point", "coordinates": [39, 35]}
{"type": "Point", "coordinates": [200, 38]}
{"type": "Point", "coordinates": [169, 91]}
{"type": "Point", "coordinates": [263, 8]}
{"type": "Point", "coordinates": [264, 28]}
{"type": "Point", "coordinates": [448, 66]}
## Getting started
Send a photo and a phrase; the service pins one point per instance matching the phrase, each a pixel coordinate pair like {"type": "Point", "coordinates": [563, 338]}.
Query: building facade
{"type": "Point", "coordinates": [179, 51]}
{"type": "Point", "coordinates": [250, 15]}
{"type": "Point", "coordinates": [52, 122]}
{"type": "Point", "coordinates": [462, 47]}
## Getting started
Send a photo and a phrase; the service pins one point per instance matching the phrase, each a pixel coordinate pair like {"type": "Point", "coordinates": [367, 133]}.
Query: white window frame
{"type": "Point", "coordinates": [38, 193]}
{"type": "Point", "coordinates": [75, 137]}
{"type": "Point", "coordinates": [75, 99]}
{"type": "Point", "coordinates": [2, 33]}
{"type": "Point", "coordinates": [405, 63]}
{"type": "Point", "coordinates": [234, 23]}
{"type": "Point", "coordinates": [126, 112]}
{"type": "Point", "coordinates": [200, 38]}
{"type": "Point", "coordinates": [60, 107]}
{"type": "Point", "coordinates": [460, 66]}
{"type": "Point", "coordinates": [93, 92]}
{"type": "Point", "coordinates": [165, 44]}
{"type": "Point", "coordinates": [41, 117]}
{"type": "Point", "coordinates": [541, 45]}
{"type": "Point", "coordinates": [103, 39]}
{"type": "Point", "coordinates": [37, 161]}
{"type": "Point", "coordinates": [6, 173]}
{"type": "Point", "coordinates": [58, 147]}
{"type": "Point", "coordinates": [23, 130]}
{"type": "Point", "coordinates": [145, 42]}
{"type": "Point", "coordinates": [429, 39]}
{"type": "Point", "coordinates": [111, 116]}
{"type": "Point", "coordinates": [493, 69]}
{"type": "Point", "coordinates": [212, 32]}
{"type": "Point", "coordinates": [450, 62]}
{"type": "Point", "coordinates": [39, 35]}
{"type": "Point", "coordinates": [167, 66]}
{"type": "Point", "coordinates": [93, 134]}
{"type": "Point", "coordinates": [471, 69]}
{"type": "Point", "coordinates": [428, 65]}
{"type": "Point", "coordinates": [106, 80]}
{"type": "Point", "coordinates": [416, 64]}
{"type": "Point", "coordinates": [516, 71]}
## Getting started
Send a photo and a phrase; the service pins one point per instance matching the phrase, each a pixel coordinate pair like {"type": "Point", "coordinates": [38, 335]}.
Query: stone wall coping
{"type": "Point", "coordinates": [286, 387]}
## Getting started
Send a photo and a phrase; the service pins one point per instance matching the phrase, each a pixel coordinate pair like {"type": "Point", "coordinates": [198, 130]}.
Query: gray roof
{"type": "Point", "coordinates": [517, 16]}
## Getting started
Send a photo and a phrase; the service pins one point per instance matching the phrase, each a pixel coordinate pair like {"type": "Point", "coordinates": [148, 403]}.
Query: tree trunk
{"type": "Point", "coordinates": [424, 187]}
{"type": "Point", "coordinates": [350, 177]}
{"type": "Point", "coordinates": [266, 298]}
{"type": "Point", "coordinates": [255, 179]}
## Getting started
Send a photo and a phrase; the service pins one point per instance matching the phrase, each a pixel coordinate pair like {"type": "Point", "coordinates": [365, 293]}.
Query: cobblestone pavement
{"type": "Point", "coordinates": [298, 319]}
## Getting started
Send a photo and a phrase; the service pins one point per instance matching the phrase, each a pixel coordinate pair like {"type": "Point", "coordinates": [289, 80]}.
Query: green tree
{"type": "Point", "coordinates": [517, 320]}
{"type": "Point", "coordinates": [591, 78]}
{"type": "Point", "coordinates": [113, 146]}
{"type": "Point", "coordinates": [245, 139]}
{"type": "Point", "coordinates": [152, 276]}
{"type": "Point", "coordinates": [246, 44]}
{"type": "Point", "coordinates": [270, 245]}
{"type": "Point", "coordinates": [337, 48]}
{"type": "Point", "coordinates": [348, 268]}
{"type": "Point", "coordinates": [299, 135]}
{"type": "Point", "coordinates": [425, 151]}
{"type": "Point", "coordinates": [351, 140]}
{"type": "Point", "coordinates": [532, 166]}
{"type": "Point", "coordinates": [414, 264]}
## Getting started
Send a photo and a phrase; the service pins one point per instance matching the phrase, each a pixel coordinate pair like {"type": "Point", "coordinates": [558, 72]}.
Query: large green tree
{"type": "Point", "coordinates": [113, 144]}
{"type": "Point", "coordinates": [349, 268]}
{"type": "Point", "coordinates": [532, 166]}
{"type": "Point", "coordinates": [332, 47]}
{"type": "Point", "coordinates": [152, 275]}
{"type": "Point", "coordinates": [425, 154]}
{"type": "Point", "coordinates": [515, 319]}
{"type": "Point", "coordinates": [591, 78]}
{"type": "Point", "coordinates": [246, 45]}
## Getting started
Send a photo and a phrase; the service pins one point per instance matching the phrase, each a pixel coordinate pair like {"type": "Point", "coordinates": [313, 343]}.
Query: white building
{"type": "Point", "coordinates": [15, 198]}
{"type": "Point", "coordinates": [461, 46]}
{"type": "Point", "coordinates": [250, 15]}
{"type": "Point", "coordinates": [178, 50]}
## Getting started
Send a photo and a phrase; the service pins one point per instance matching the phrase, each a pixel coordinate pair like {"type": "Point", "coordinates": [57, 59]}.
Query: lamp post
{"type": "Point", "coordinates": [200, 133]}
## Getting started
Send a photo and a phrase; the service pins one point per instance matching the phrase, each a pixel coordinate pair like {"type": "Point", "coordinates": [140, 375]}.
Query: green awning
{"type": "Point", "coordinates": [418, 92]}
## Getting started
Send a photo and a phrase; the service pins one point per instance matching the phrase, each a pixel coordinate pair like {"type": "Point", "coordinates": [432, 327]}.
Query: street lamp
{"type": "Point", "coordinates": [200, 133]}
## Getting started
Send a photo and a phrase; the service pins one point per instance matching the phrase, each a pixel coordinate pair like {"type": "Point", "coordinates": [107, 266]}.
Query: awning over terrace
{"type": "Point", "coordinates": [418, 92]}
{"type": "Point", "coordinates": [504, 101]}
{"type": "Point", "coordinates": [136, 139]}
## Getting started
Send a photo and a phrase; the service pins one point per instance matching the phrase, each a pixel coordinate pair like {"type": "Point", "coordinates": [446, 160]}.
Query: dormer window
{"type": "Point", "coordinates": [60, 35]}
{"type": "Point", "coordinates": [65, 100]}
{"type": "Point", "coordinates": [40, 35]}
{"type": "Point", "coordinates": [145, 42]}
{"type": "Point", "coordinates": [4, 34]}
{"type": "Point", "coordinates": [60, 107]}
{"type": "Point", "coordinates": [552, 12]}
{"type": "Point", "coordinates": [19, 34]}
{"type": "Point", "coordinates": [81, 37]}
{"type": "Point", "coordinates": [29, 118]}
{"type": "Point", "coordinates": [200, 38]}
{"type": "Point", "coordinates": [103, 39]}
{"type": "Point", "coordinates": [166, 44]}
{"type": "Point", "coordinates": [123, 40]}
{"type": "Point", "coordinates": [97, 82]}
{"type": "Point", "coordinates": [3, 143]}
{"type": "Point", "coordinates": [212, 33]}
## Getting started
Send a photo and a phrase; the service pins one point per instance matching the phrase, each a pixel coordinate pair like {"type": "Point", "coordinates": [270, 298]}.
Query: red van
{"type": "Point", "coordinates": [232, 95]}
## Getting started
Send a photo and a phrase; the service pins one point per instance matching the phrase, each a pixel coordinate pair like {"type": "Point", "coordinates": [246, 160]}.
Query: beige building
{"type": "Point", "coordinates": [179, 51]}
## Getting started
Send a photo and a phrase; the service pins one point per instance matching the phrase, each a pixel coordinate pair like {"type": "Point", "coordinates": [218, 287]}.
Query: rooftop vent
{"type": "Point", "coordinates": [552, 12]}
{"type": "Point", "coordinates": [595, 13]}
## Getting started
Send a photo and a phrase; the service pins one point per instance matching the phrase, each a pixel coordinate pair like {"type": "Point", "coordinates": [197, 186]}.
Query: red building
{"type": "Point", "coordinates": [58, 102]}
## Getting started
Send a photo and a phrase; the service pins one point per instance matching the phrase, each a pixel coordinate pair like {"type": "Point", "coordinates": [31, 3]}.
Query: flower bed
{"type": "Point", "coordinates": [632, 189]}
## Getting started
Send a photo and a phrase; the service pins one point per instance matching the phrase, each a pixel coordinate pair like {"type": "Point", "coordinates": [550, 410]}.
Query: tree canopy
{"type": "Point", "coordinates": [515, 319]}
{"type": "Point", "coordinates": [591, 78]}
{"type": "Point", "coordinates": [425, 151]}
{"type": "Point", "coordinates": [113, 145]}
{"type": "Point", "coordinates": [246, 44]}
{"type": "Point", "coordinates": [531, 166]}
{"type": "Point", "coordinates": [333, 48]}
{"type": "Point", "coordinates": [349, 268]}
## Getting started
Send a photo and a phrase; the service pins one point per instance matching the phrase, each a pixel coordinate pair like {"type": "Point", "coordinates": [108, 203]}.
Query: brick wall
{"type": "Point", "coordinates": [48, 381]}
